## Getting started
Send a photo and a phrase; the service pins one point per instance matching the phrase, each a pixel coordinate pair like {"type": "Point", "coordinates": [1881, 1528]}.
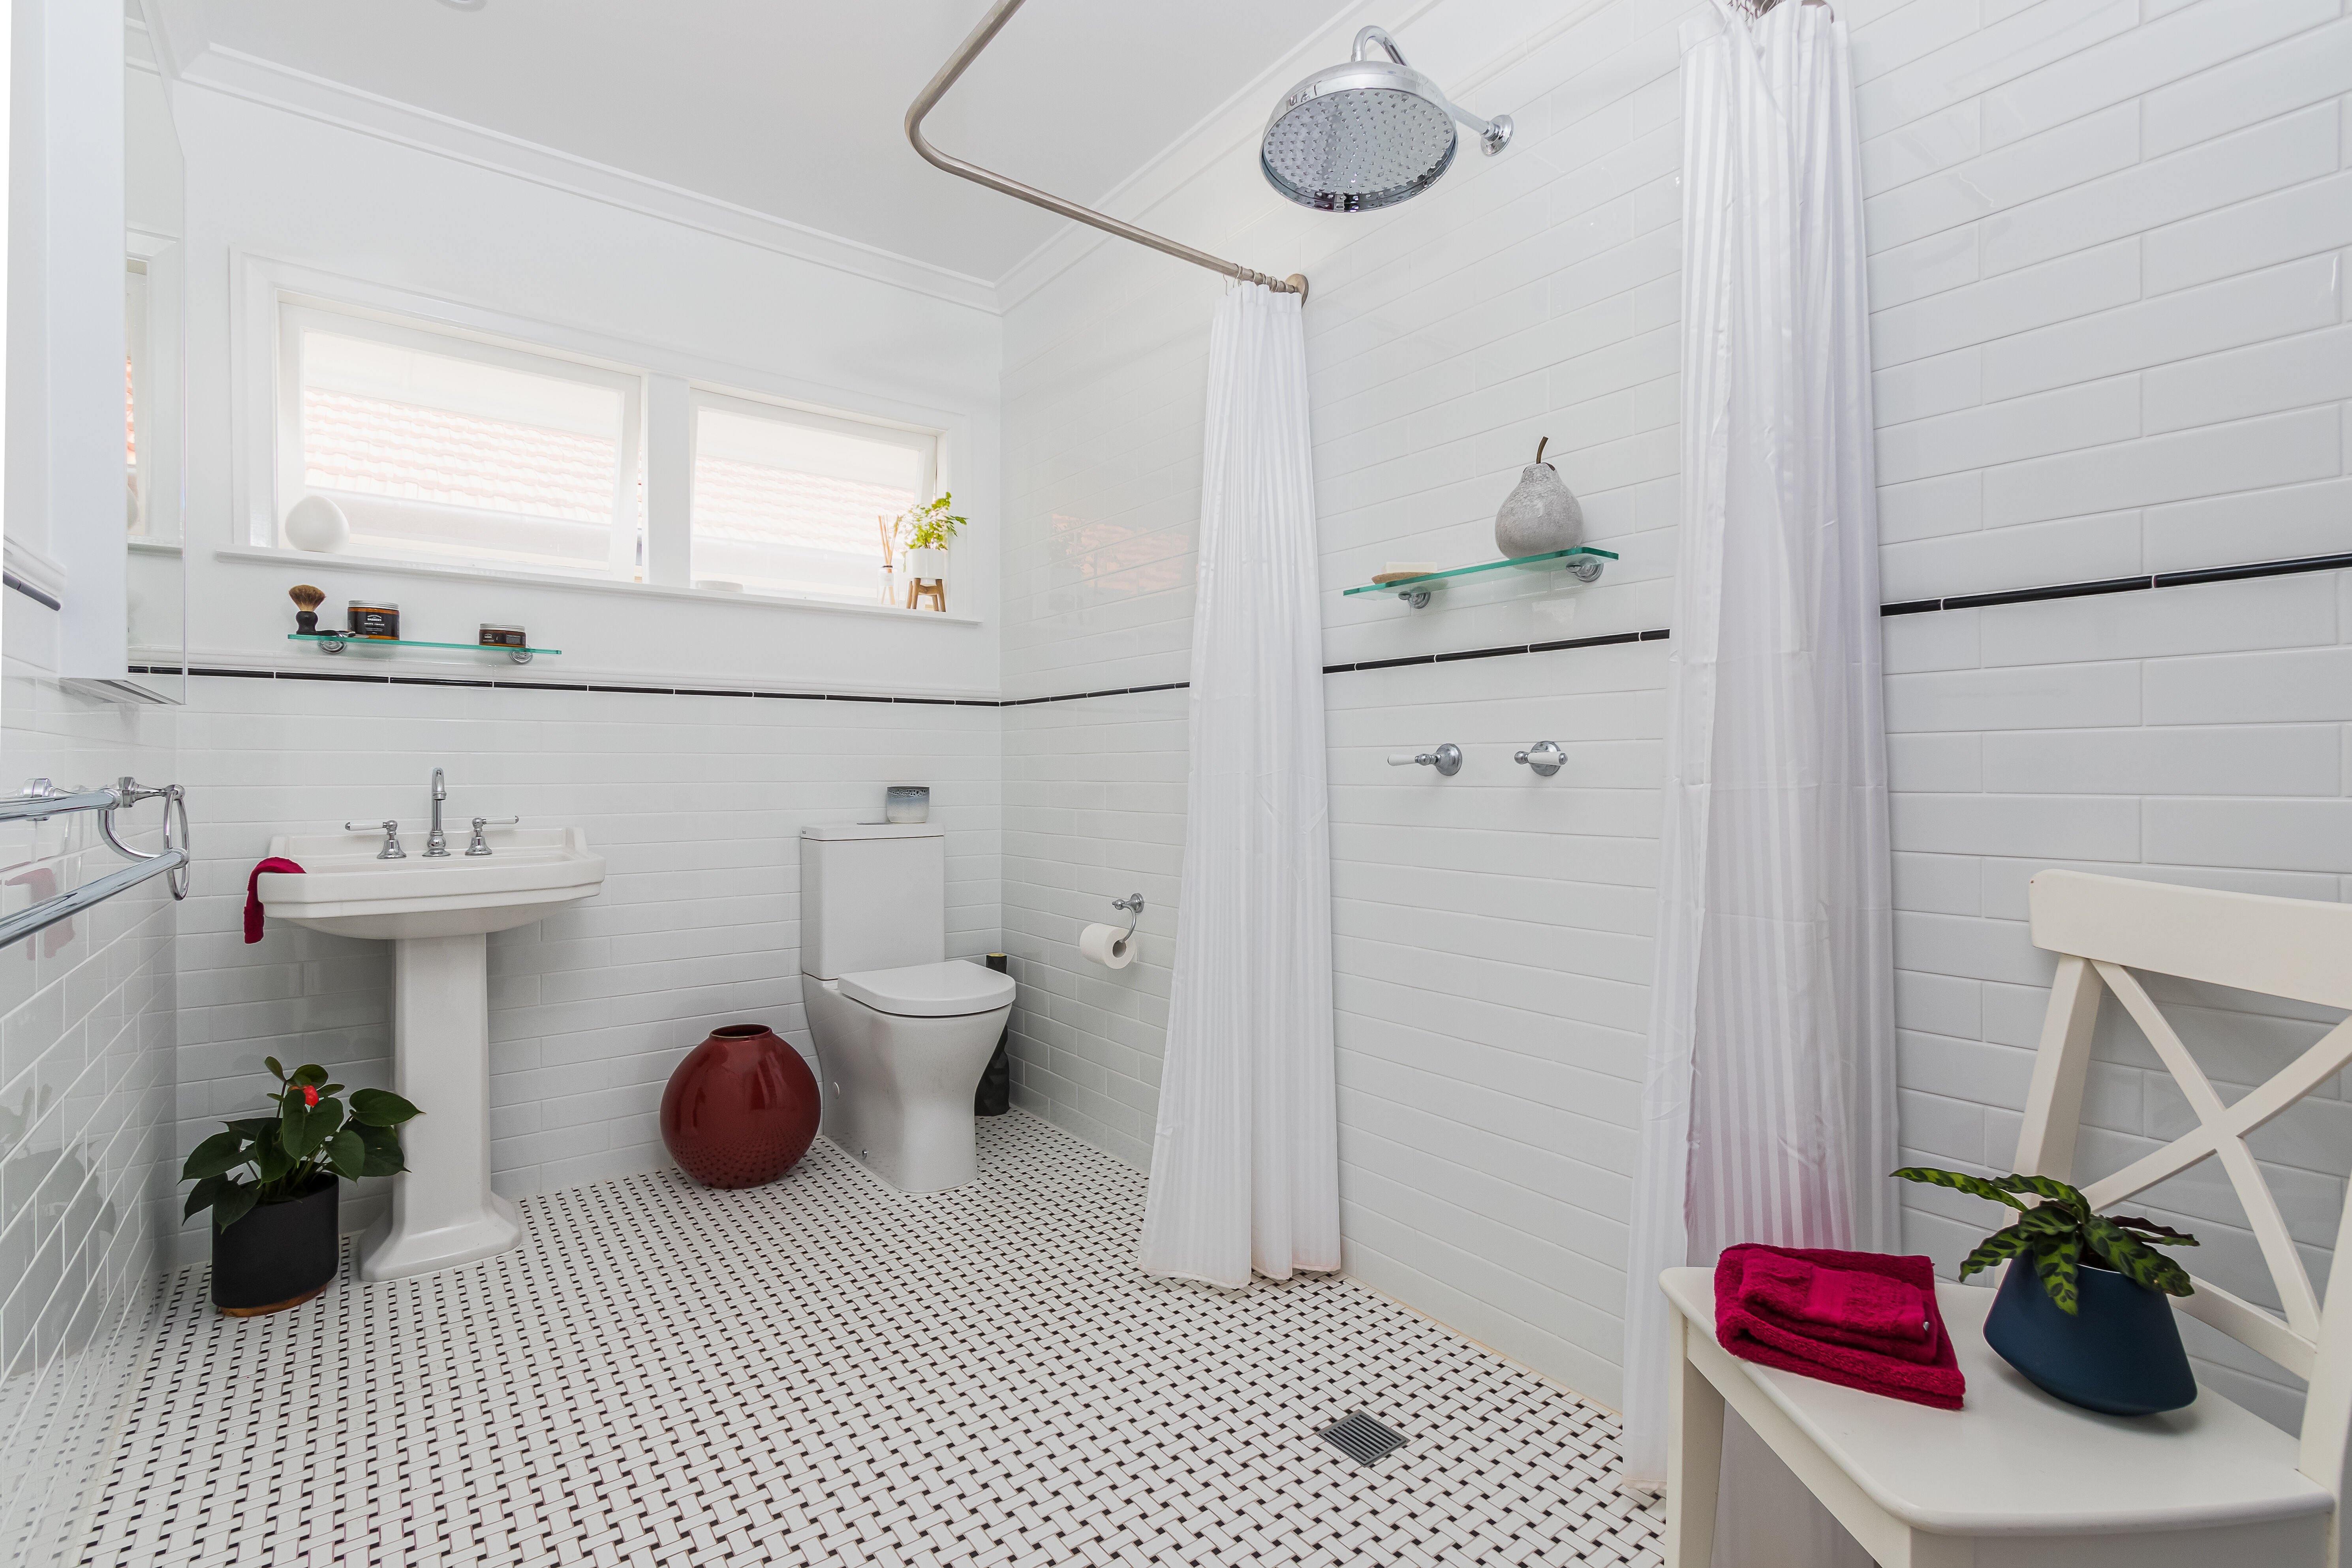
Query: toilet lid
{"type": "Point", "coordinates": [947, 990]}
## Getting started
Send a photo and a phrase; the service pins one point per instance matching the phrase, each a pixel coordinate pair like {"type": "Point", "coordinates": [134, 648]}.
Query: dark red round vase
{"type": "Point", "coordinates": [740, 1110]}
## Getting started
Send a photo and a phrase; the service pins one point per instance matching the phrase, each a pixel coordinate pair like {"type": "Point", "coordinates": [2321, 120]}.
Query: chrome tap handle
{"type": "Point", "coordinates": [392, 849]}
{"type": "Point", "coordinates": [1544, 756]}
{"type": "Point", "coordinates": [481, 845]}
{"type": "Point", "coordinates": [1446, 759]}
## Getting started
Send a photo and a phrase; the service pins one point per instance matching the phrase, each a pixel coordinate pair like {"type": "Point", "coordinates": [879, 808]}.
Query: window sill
{"type": "Point", "coordinates": [141, 545]}
{"type": "Point", "coordinates": [581, 584]}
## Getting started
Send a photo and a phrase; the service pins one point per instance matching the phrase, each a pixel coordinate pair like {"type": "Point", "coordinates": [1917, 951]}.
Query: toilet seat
{"type": "Point", "coordinates": [950, 990]}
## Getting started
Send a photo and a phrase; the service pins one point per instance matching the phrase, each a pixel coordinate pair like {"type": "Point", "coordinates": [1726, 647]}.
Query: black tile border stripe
{"type": "Point", "coordinates": [1901, 607]}
{"type": "Point", "coordinates": [2124, 584]}
{"type": "Point", "coordinates": [224, 673]}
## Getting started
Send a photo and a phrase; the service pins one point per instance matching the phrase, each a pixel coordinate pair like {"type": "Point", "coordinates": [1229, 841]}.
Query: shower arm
{"type": "Point", "coordinates": [969, 51]}
{"type": "Point", "coordinates": [1492, 133]}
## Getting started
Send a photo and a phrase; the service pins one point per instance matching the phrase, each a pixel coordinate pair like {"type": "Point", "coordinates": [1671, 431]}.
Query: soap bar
{"type": "Point", "coordinates": [1396, 571]}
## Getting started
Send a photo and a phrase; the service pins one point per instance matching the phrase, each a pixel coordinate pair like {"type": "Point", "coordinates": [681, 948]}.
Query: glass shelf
{"type": "Point", "coordinates": [335, 642]}
{"type": "Point", "coordinates": [1584, 562]}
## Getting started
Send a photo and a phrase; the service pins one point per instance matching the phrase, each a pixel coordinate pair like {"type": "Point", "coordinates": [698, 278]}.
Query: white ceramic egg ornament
{"type": "Point", "coordinates": [317, 524]}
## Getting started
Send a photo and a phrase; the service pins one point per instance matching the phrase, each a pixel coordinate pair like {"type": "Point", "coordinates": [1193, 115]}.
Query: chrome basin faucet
{"type": "Point", "coordinates": [436, 844]}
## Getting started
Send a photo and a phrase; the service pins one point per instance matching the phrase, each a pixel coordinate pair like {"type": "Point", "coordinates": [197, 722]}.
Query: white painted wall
{"type": "Point", "coordinates": [696, 802]}
{"type": "Point", "coordinates": [2107, 283]}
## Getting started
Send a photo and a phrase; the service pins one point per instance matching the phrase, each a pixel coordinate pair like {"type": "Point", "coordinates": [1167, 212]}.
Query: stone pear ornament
{"type": "Point", "coordinates": [1542, 515]}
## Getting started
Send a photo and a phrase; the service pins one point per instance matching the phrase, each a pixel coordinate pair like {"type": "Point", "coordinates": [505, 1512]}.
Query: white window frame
{"type": "Point", "coordinates": [297, 314]}
{"type": "Point", "coordinates": [883, 432]}
{"type": "Point", "coordinates": [672, 380]}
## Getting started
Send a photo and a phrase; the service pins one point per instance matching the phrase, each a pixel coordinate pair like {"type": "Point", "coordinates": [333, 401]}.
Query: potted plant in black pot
{"type": "Point", "coordinates": [2084, 1311]}
{"type": "Point", "coordinates": [271, 1185]}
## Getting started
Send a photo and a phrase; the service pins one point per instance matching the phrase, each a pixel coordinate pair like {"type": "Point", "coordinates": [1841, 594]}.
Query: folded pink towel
{"type": "Point", "coordinates": [1840, 1306]}
{"type": "Point", "coordinates": [1753, 1336]}
{"type": "Point", "coordinates": [253, 893]}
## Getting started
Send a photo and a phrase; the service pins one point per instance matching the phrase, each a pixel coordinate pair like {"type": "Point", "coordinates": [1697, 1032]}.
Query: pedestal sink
{"type": "Point", "coordinates": [435, 911]}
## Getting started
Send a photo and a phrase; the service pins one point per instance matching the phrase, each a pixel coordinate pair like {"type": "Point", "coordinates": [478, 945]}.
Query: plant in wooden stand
{"type": "Point", "coordinates": [931, 528]}
{"type": "Point", "coordinates": [271, 1185]}
{"type": "Point", "coordinates": [2084, 1310]}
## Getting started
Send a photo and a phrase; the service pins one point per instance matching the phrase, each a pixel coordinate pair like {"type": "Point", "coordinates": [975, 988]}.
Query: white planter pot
{"type": "Point", "coordinates": [927, 564]}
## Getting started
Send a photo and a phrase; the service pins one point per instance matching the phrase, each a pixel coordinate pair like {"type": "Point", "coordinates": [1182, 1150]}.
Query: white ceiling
{"type": "Point", "coordinates": [791, 107]}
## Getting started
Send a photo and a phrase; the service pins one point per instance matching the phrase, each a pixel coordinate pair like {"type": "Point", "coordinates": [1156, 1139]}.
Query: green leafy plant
{"type": "Point", "coordinates": [2061, 1233]}
{"type": "Point", "coordinates": [285, 1153]}
{"type": "Point", "coordinates": [930, 526]}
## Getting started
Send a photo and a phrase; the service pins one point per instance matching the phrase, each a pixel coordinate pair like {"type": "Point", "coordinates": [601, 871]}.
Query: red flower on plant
{"type": "Point", "coordinates": [309, 1095]}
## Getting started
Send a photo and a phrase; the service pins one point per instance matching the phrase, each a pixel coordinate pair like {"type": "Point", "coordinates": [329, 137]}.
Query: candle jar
{"type": "Point", "coordinates": [376, 619]}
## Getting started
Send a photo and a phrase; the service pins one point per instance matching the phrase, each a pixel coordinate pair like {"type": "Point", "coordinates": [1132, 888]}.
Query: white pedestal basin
{"type": "Point", "coordinates": [436, 912]}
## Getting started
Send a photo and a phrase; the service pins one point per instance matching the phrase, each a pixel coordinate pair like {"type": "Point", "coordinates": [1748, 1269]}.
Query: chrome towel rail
{"type": "Point", "coordinates": [41, 800]}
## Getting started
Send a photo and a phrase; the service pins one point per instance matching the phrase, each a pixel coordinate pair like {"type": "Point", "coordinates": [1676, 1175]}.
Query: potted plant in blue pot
{"type": "Point", "coordinates": [271, 1185]}
{"type": "Point", "coordinates": [2084, 1311]}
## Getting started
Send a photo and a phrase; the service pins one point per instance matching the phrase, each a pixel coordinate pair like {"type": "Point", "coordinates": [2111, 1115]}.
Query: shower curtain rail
{"type": "Point", "coordinates": [969, 51]}
{"type": "Point", "coordinates": [40, 801]}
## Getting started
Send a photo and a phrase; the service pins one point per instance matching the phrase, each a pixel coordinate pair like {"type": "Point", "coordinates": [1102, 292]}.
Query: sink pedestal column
{"type": "Point", "coordinates": [443, 1211]}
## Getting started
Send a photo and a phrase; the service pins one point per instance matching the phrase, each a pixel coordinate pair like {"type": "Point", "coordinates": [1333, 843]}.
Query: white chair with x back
{"type": "Point", "coordinates": [2019, 1479]}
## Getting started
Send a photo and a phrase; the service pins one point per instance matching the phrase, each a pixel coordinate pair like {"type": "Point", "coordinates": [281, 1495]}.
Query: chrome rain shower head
{"type": "Point", "coordinates": [1367, 135]}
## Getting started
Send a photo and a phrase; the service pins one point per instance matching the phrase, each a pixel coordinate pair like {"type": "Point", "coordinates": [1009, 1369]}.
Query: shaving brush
{"type": "Point", "coordinates": [307, 601]}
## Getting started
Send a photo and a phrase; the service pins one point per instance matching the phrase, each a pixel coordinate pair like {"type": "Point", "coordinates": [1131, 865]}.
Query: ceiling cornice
{"type": "Point", "coordinates": [239, 75]}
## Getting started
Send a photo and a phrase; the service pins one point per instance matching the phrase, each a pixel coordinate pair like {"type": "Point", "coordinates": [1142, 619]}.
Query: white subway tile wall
{"type": "Point", "coordinates": [2107, 280]}
{"type": "Point", "coordinates": [86, 1063]}
{"type": "Point", "coordinates": [696, 803]}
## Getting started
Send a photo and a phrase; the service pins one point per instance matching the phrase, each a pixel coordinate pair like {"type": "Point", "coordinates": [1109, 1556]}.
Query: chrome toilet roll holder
{"type": "Point", "coordinates": [1133, 906]}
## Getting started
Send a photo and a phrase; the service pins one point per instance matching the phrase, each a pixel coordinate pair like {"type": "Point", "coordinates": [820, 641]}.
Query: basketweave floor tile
{"type": "Point", "coordinates": [826, 1371]}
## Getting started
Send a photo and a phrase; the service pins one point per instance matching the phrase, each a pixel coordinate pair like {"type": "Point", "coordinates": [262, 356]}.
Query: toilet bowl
{"type": "Point", "coordinates": [897, 1086]}
{"type": "Point", "coordinates": [902, 1032]}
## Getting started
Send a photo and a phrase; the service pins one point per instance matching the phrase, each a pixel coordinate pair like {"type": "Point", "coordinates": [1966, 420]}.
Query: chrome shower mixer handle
{"type": "Point", "coordinates": [1446, 759]}
{"type": "Point", "coordinates": [1544, 757]}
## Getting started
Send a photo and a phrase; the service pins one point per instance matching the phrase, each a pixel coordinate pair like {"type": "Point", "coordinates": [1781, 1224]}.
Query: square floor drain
{"type": "Point", "coordinates": [1361, 1438]}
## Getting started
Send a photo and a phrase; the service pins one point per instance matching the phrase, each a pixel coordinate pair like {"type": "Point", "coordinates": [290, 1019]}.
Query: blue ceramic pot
{"type": "Point", "coordinates": [2121, 1355]}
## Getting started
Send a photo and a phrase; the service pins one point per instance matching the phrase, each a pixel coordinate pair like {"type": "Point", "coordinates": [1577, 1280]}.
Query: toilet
{"type": "Point", "coordinates": [902, 1033]}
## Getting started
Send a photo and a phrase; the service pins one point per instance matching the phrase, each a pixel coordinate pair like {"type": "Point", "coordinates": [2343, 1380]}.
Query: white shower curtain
{"type": "Point", "coordinates": [1768, 1106]}
{"type": "Point", "coordinates": [1245, 1165]}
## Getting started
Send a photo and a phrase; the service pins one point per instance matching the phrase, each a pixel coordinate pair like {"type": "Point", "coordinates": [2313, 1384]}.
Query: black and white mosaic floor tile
{"type": "Point", "coordinates": [826, 1371]}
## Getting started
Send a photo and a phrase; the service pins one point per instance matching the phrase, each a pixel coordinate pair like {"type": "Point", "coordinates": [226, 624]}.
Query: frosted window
{"type": "Point", "coordinates": [448, 457]}
{"type": "Point", "coordinates": [787, 506]}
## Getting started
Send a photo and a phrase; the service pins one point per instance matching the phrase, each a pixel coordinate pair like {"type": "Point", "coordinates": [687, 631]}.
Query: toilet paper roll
{"type": "Point", "coordinates": [1108, 945]}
